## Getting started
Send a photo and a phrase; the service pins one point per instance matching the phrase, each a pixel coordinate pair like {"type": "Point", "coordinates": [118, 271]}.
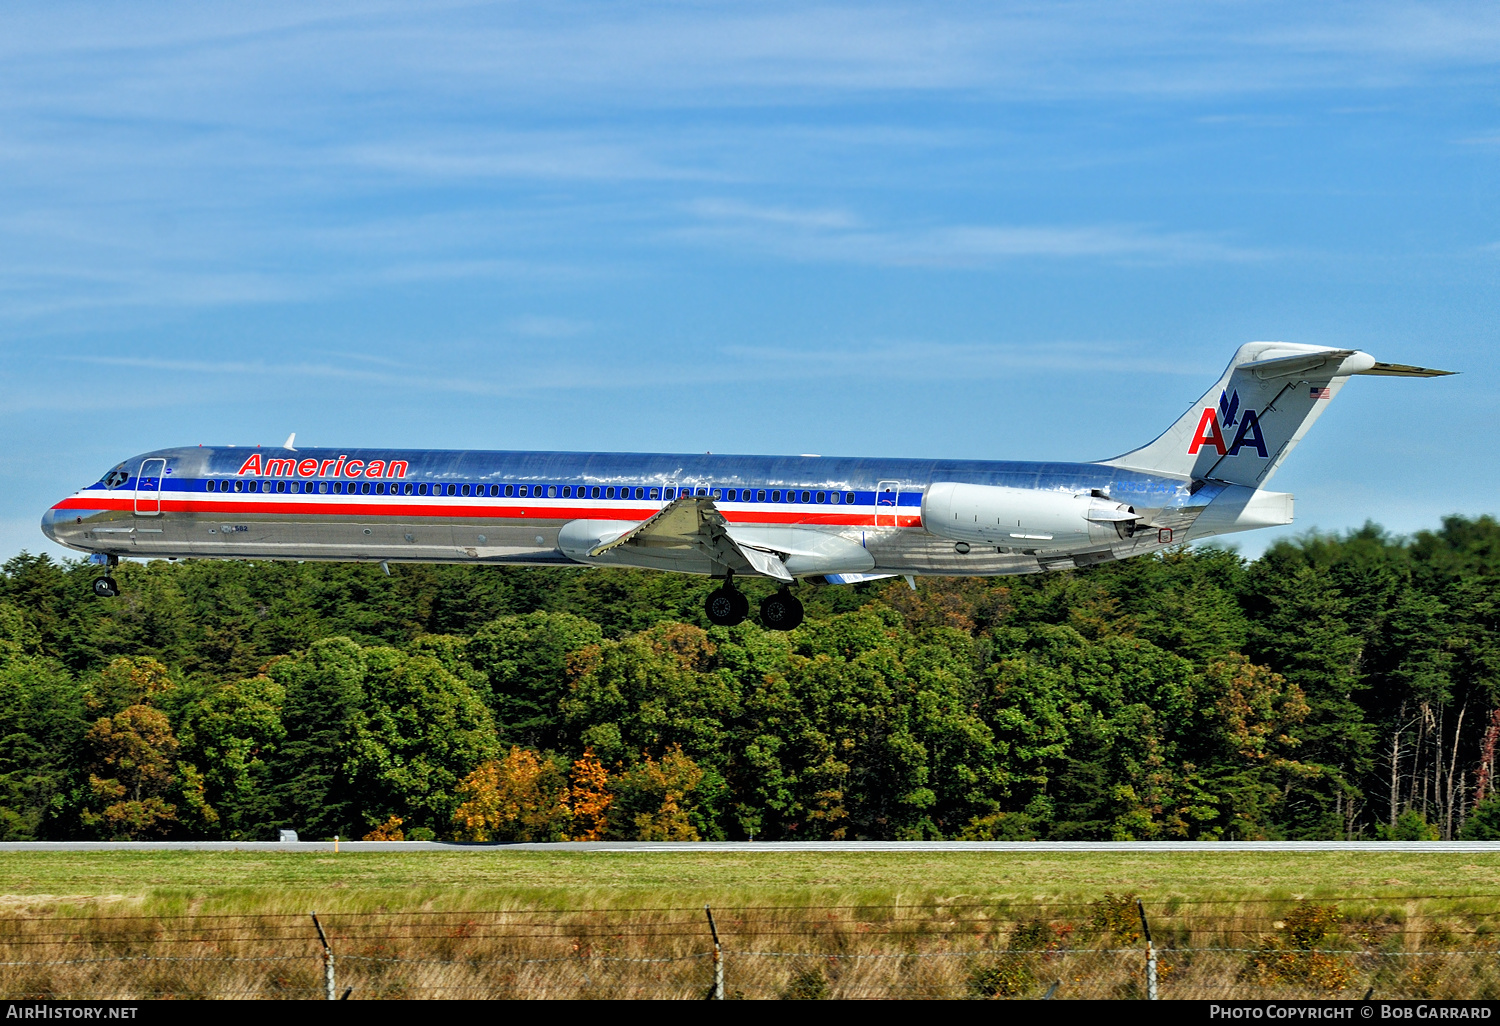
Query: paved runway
{"type": "Point", "coordinates": [780, 847]}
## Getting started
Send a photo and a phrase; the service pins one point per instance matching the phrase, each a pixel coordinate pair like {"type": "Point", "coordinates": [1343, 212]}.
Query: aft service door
{"type": "Point", "coordinates": [148, 487]}
{"type": "Point", "coordinates": [887, 501]}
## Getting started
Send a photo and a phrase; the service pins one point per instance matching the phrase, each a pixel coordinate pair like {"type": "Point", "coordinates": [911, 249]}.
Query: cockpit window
{"type": "Point", "coordinates": [115, 478]}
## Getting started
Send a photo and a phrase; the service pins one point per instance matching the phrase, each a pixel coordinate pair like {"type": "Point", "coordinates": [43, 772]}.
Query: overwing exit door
{"type": "Point", "coordinates": [887, 501]}
{"type": "Point", "coordinates": [148, 487]}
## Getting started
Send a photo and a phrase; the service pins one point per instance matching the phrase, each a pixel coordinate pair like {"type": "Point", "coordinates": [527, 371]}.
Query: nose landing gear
{"type": "Point", "coordinates": [105, 587]}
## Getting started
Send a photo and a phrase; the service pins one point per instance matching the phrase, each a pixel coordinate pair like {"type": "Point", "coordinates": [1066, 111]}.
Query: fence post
{"type": "Point", "coordinates": [717, 994]}
{"type": "Point", "coordinates": [329, 990]}
{"type": "Point", "coordinates": [1150, 953]}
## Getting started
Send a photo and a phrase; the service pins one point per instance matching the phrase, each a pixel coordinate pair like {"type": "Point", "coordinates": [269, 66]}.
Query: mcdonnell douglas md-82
{"type": "Point", "coordinates": [784, 517]}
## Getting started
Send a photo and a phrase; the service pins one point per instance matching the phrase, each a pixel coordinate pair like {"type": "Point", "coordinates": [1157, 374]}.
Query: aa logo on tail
{"type": "Point", "coordinates": [1213, 423]}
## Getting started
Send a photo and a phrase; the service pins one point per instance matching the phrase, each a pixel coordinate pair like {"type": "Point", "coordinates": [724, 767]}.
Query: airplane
{"type": "Point", "coordinates": [788, 518]}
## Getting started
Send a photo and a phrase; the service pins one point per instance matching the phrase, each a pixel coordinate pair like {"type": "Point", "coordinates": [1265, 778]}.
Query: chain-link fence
{"type": "Point", "coordinates": [1097, 950]}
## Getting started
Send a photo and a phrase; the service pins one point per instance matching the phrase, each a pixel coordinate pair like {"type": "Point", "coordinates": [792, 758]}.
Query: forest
{"type": "Point", "coordinates": [1336, 687]}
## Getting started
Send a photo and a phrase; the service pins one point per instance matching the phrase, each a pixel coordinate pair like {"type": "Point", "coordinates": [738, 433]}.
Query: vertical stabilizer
{"type": "Point", "coordinates": [1244, 427]}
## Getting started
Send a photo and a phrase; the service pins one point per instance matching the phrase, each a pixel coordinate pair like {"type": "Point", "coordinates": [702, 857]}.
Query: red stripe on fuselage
{"type": "Point", "coordinates": [406, 508]}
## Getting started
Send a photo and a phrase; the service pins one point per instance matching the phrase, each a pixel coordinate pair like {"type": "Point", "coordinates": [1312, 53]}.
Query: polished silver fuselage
{"type": "Point", "coordinates": [843, 515]}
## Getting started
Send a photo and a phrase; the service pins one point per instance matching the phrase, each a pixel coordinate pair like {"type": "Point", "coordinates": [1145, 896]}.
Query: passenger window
{"type": "Point", "coordinates": [594, 492]}
{"type": "Point", "coordinates": [849, 498]}
{"type": "Point", "coordinates": [609, 493]}
{"type": "Point", "coordinates": [760, 495]}
{"type": "Point", "coordinates": [669, 493]}
{"type": "Point", "coordinates": [452, 489]}
{"type": "Point", "coordinates": [551, 491]}
{"type": "Point", "coordinates": [510, 490]}
{"type": "Point", "coordinates": [464, 490]}
{"type": "Point", "coordinates": [640, 493]}
{"type": "Point", "coordinates": [656, 493]}
{"type": "Point", "coordinates": [717, 494]}
{"type": "Point", "coordinates": [406, 489]}
{"type": "Point", "coordinates": [365, 488]}
{"type": "Point", "coordinates": [521, 491]}
{"type": "Point", "coordinates": [421, 489]}
{"type": "Point", "coordinates": [807, 496]}
{"type": "Point", "coordinates": [822, 496]}
{"type": "Point", "coordinates": [776, 495]}
{"type": "Point", "coordinates": [494, 491]}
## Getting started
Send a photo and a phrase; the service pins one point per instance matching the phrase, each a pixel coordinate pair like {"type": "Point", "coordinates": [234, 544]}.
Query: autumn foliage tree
{"type": "Point", "coordinates": [590, 798]}
{"type": "Point", "coordinates": [652, 799]}
{"type": "Point", "coordinates": [135, 788]}
{"type": "Point", "coordinates": [521, 797]}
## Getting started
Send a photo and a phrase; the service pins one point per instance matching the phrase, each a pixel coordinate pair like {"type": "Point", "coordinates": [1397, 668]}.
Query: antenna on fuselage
{"type": "Point", "coordinates": [289, 440]}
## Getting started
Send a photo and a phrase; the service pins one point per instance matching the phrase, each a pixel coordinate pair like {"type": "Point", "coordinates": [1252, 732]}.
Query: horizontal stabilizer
{"type": "Point", "coordinates": [1405, 370]}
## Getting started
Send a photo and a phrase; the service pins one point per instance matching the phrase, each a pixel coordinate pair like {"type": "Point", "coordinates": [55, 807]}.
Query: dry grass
{"type": "Point", "coordinates": [504, 923]}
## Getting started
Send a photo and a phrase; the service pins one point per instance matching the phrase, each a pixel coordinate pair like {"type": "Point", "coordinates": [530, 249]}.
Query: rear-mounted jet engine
{"type": "Point", "coordinates": [1024, 518]}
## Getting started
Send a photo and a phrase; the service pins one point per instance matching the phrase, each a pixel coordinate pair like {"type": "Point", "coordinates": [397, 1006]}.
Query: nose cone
{"type": "Point", "coordinates": [49, 518]}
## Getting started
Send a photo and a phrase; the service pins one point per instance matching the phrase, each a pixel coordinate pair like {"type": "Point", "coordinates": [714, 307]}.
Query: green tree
{"type": "Point", "coordinates": [1301, 628]}
{"type": "Point", "coordinates": [232, 732]}
{"type": "Point", "coordinates": [420, 732]}
{"type": "Point", "coordinates": [525, 660]}
{"type": "Point", "coordinates": [324, 694]}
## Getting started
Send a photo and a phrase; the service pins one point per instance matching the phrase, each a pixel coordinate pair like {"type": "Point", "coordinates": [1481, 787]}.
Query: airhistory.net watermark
{"type": "Point", "coordinates": [53, 1010]}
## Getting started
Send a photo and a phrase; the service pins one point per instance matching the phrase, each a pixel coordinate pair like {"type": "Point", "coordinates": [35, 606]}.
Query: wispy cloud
{"type": "Point", "coordinates": [539, 326]}
{"type": "Point", "coordinates": [837, 235]}
{"type": "Point", "coordinates": [906, 359]}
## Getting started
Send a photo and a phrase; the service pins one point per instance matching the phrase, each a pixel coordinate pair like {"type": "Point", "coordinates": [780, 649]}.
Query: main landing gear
{"type": "Point", "coordinates": [727, 606]}
{"type": "Point", "coordinates": [781, 611]}
{"type": "Point", "coordinates": [105, 587]}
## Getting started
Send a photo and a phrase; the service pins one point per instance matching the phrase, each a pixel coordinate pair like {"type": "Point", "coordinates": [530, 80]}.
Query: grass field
{"type": "Point", "coordinates": [166, 883]}
{"type": "Point", "coordinates": [514, 923]}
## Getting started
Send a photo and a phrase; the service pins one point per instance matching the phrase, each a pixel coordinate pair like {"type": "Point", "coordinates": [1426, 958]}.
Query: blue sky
{"type": "Point", "coordinates": [1026, 231]}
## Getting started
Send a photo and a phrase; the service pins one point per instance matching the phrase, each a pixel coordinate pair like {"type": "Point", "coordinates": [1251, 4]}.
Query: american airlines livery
{"type": "Point", "coordinates": [784, 517]}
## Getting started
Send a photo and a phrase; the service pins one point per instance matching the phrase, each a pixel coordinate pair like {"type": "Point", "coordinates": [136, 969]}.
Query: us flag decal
{"type": "Point", "coordinates": [1320, 393]}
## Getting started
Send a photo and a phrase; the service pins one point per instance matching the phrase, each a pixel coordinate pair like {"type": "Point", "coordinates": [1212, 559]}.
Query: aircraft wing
{"type": "Point", "coordinates": [694, 523]}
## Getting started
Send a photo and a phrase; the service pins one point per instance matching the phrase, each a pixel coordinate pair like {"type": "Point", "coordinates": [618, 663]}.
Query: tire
{"type": "Point", "coordinates": [725, 607]}
{"type": "Point", "coordinates": [105, 587]}
{"type": "Point", "coordinates": [780, 612]}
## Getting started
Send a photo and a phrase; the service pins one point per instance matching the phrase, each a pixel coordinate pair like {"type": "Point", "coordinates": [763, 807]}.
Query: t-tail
{"type": "Point", "coordinates": [1249, 422]}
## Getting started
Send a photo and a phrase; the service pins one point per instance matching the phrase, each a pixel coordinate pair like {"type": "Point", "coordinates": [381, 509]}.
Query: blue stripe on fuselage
{"type": "Point", "coordinates": [187, 467]}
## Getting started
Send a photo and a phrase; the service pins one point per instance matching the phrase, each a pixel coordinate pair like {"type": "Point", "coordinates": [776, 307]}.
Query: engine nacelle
{"type": "Point", "coordinates": [1023, 518]}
